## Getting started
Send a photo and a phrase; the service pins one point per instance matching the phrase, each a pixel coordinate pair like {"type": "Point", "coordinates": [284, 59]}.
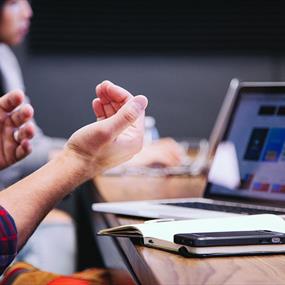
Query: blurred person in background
{"type": "Point", "coordinates": [15, 17]}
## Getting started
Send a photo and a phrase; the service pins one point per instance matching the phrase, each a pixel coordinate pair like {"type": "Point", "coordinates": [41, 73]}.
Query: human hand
{"type": "Point", "coordinates": [116, 136]}
{"type": "Point", "coordinates": [110, 99]}
{"type": "Point", "coordinates": [15, 130]}
{"type": "Point", "coordinates": [164, 152]}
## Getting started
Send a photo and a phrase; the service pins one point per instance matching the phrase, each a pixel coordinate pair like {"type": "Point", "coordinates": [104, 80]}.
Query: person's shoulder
{"type": "Point", "coordinates": [7, 55]}
{"type": "Point", "coordinates": [5, 49]}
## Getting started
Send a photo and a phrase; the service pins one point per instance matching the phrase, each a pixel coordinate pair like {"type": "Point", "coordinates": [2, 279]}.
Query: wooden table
{"type": "Point", "coordinates": [151, 266]}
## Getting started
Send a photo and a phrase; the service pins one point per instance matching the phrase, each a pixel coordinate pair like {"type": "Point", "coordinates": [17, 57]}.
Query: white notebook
{"type": "Point", "coordinates": [159, 234]}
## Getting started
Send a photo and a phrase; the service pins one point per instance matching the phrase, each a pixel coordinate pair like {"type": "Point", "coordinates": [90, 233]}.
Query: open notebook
{"type": "Point", "coordinates": [159, 234]}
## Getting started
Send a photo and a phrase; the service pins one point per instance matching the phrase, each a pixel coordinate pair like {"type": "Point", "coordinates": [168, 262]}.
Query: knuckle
{"type": "Point", "coordinates": [170, 140]}
{"type": "Point", "coordinates": [130, 116]}
{"type": "Point", "coordinates": [19, 91]}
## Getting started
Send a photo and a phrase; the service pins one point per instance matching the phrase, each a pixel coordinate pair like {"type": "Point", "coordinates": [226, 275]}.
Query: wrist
{"type": "Point", "coordinates": [72, 165]}
{"type": "Point", "coordinates": [81, 168]}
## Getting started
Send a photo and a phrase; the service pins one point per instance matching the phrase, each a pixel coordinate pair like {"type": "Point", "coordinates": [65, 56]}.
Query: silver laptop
{"type": "Point", "coordinates": [248, 171]}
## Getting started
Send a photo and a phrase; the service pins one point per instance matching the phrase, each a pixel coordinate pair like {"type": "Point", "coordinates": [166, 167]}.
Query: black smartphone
{"type": "Point", "coordinates": [230, 238]}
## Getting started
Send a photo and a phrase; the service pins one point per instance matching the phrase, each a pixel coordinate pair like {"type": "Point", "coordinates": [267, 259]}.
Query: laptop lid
{"type": "Point", "coordinates": [251, 126]}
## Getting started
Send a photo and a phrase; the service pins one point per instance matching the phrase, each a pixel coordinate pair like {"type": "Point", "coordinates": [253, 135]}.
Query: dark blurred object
{"type": "Point", "coordinates": [157, 27]}
{"type": "Point", "coordinates": [88, 252]}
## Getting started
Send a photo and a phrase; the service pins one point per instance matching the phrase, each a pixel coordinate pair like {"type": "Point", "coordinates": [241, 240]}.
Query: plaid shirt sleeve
{"type": "Point", "coordinates": [8, 239]}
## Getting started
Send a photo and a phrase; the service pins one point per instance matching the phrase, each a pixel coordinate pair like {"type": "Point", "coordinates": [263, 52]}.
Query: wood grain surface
{"type": "Point", "coordinates": [129, 188]}
{"type": "Point", "coordinates": [153, 266]}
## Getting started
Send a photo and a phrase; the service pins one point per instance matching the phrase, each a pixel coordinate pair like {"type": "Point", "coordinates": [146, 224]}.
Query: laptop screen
{"type": "Point", "coordinates": [250, 163]}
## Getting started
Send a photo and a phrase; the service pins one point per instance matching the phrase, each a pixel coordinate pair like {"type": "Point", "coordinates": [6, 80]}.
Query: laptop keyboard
{"type": "Point", "coordinates": [226, 208]}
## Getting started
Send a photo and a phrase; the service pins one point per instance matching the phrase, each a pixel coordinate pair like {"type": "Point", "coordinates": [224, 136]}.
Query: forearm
{"type": "Point", "coordinates": [90, 150]}
{"type": "Point", "coordinates": [29, 200]}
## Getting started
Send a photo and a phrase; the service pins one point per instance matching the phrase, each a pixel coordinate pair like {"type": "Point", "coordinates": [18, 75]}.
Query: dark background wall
{"type": "Point", "coordinates": [185, 77]}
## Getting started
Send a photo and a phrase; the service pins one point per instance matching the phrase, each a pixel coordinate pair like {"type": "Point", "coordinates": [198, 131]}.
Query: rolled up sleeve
{"type": "Point", "coordinates": [8, 239]}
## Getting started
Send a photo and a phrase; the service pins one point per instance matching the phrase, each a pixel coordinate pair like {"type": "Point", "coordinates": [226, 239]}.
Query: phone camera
{"type": "Point", "coordinates": [275, 240]}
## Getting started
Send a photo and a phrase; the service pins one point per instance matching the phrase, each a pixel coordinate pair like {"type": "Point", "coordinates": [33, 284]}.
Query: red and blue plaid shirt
{"type": "Point", "coordinates": [8, 239]}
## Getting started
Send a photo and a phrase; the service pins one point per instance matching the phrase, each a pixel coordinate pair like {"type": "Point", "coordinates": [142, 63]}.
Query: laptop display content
{"type": "Point", "coordinates": [256, 131]}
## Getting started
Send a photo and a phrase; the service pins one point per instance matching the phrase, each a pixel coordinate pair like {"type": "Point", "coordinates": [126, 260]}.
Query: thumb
{"type": "Point", "coordinates": [127, 115]}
